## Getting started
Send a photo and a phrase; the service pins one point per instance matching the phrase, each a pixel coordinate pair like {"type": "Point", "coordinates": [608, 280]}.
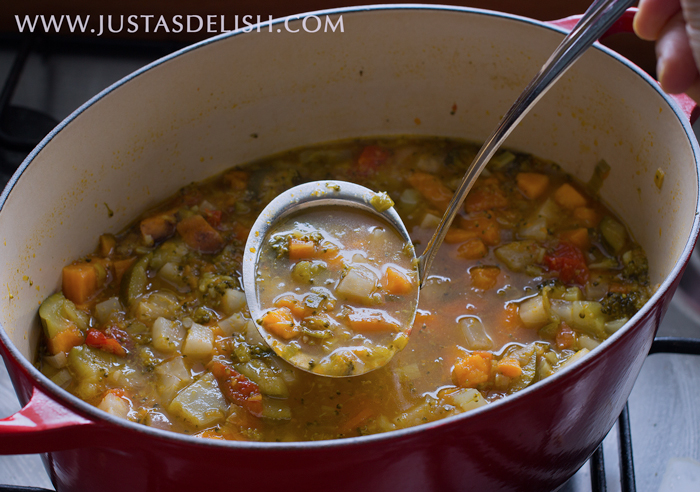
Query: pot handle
{"type": "Point", "coordinates": [624, 25]}
{"type": "Point", "coordinates": [44, 425]}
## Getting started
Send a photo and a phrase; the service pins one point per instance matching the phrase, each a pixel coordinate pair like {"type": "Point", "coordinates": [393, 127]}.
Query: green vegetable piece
{"type": "Point", "coordinates": [269, 382]}
{"type": "Point", "coordinates": [600, 172]}
{"type": "Point", "coordinates": [614, 233]}
{"type": "Point", "coordinates": [520, 254]}
{"type": "Point", "coordinates": [381, 202]}
{"type": "Point", "coordinates": [58, 314]}
{"type": "Point", "coordinates": [135, 281]}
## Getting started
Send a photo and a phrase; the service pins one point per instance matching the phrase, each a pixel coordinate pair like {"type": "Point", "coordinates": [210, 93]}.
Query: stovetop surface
{"type": "Point", "coordinates": [664, 404]}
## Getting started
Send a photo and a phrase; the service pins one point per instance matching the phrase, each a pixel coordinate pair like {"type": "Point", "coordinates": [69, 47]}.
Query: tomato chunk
{"type": "Point", "coordinates": [569, 261]}
{"type": "Point", "coordinates": [97, 339]}
{"type": "Point", "coordinates": [370, 159]}
{"type": "Point", "coordinates": [237, 388]}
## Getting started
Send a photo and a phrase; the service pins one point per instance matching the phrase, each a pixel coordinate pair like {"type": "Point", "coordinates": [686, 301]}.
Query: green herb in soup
{"type": "Point", "coordinates": [338, 287]}
{"type": "Point", "coordinates": [153, 326]}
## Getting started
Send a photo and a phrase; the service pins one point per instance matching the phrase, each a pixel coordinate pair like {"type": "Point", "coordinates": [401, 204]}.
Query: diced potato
{"type": "Point", "coordinates": [172, 375]}
{"type": "Point", "coordinates": [564, 310]}
{"type": "Point", "coordinates": [588, 317]}
{"type": "Point", "coordinates": [201, 403]}
{"type": "Point", "coordinates": [62, 378]}
{"type": "Point", "coordinates": [199, 342]}
{"type": "Point", "coordinates": [114, 405]}
{"type": "Point", "coordinates": [466, 399]}
{"type": "Point", "coordinates": [232, 301]}
{"type": "Point", "coordinates": [430, 221]}
{"type": "Point", "coordinates": [535, 229]}
{"type": "Point", "coordinates": [533, 312]}
{"type": "Point", "coordinates": [475, 333]}
{"type": "Point", "coordinates": [587, 342]}
{"type": "Point", "coordinates": [614, 325]}
{"type": "Point", "coordinates": [236, 323]}
{"type": "Point", "coordinates": [358, 284]}
{"type": "Point", "coordinates": [520, 254]}
{"type": "Point", "coordinates": [167, 335]}
{"type": "Point", "coordinates": [614, 233]}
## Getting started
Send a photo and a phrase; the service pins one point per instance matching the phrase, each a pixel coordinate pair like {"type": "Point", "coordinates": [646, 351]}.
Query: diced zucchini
{"type": "Point", "coordinates": [614, 233]}
{"type": "Point", "coordinates": [527, 356]}
{"type": "Point", "coordinates": [89, 368]}
{"type": "Point", "coordinates": [614, 325]}
{"type": "Point", "coordinates": [475, 333]}
{"type": "Point", "coordinates": [574, 358]}
{"type": "Point", "coordinates": [201, 403]}
{"type": "Point", "coordinates": [158, 304]}
{"type": "Point", "coordinates": [199, 342]}
{"type": "Point", "coordinates": [135, 281]}
{"type": "Point", "coordinates": [533, 312]}
{"type": "Point", "coordinates": [104, 310]}
{"type": "Point", "coordinates": [270, 383]}
{"type": "Point", "coordinates": [167, 335]}
{"type": "Point", "coordinates": [58, 314]}
{"type": "Point", "coordinates": [275, 409]}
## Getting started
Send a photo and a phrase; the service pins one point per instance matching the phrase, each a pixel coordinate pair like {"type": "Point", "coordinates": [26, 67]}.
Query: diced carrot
{"type": "Point", "coordinates": [280, 322]}
{"type": "Point", "coordinates": [472, 370]}
{"type": "Point", "coordinates": [569, 197]}
{"type": "Point", "coordinates": [299, 309]}
{"type": "Point", "coordinates": [65, 340]}
{"type": "Point", "coordinates": [510, 367]}
{"type": "Point", "coordinates": [199, 235]}
{"type": "Point", "coordinates": [107, 244]}
{"type": "Point", "coordinates": [586, 216]}
{"type": "Point", "coordinates": [532, 185]}
{"type": "Point", "coordinates": [210, 434]}
{"type": "Point", "coordinates": [473, 249]}
{"type": "Point", "coordinates": [157, 228]}
{"type": "Point", "coordinates": [121, 266]}
{"type": "Point", "coordinates": [299, 249]}
{"type": "Point", "coordinates": [396, 282]}
{"type": "Point", "coordinates": [485, 195]}
{"type": "Point", "coordinates": [370, 321]}
{"type": "Point", "coordinates": [80, 281]}
{"type": "Point", "coordinates": [486, 228]}
{"type": "Point", "coordinates": [371, 158]}
{"type": "Point", "coordinates": [456, 235]}
{"type": "Point", "coordinates": [432, 189]}
{"type": "Point", "coordinates": [565, 337]}
{"type": "Point", "coordinates": [578, 237]}
{"type": "Point", "coordinates": [485, 277]}
{"type": "Point", "coordinates": [237, 180]}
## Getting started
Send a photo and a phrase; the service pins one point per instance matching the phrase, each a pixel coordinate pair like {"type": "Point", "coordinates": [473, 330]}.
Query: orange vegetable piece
{"type": "Point", "coordinates": [210, 434]}
{"type": "Point", "coordinates": [472, 370]}
{"type": "Point", "coordinates": [237, 180]}
{"type": "Point", "coordinates": [566, 337]}
{"type": "Point", "coordinates": [157, 227]}
{"type": "Point", "coordinates": [532, 185]}
{"type": "Point", "coordinates": [65, 340]}
{"type": "Point", "coordinates": [485, 277]}
{"type": "Point", "coordinates": [396, 282]}
{"type": "Point", "coordinates": [432, 189]}
{"type": "Point", "coordinates": [299, 309]}
{"type": "Point", "coordinates": [370, 321]}
{"type": "Point", "coordinates": [280, 322]}
{"type": "Point", "coordinates": [199, 235]}
{"type": "Point", "coordinates": [485, 195]}
{"type": "Point", "coordinates": [511, 316]}
{"type": "Point", "coordinates": [569, 197]}
{"type": "Point", "coordinates": [299, 249]}
{"type": "Point", "coordinates": [486, 228]}
{"type": "Point", "coordinates": [80, 281]}
{"type": "Point", "coordinates": [578, 237]}
{"type": "Point", "coordinates": [472, 249]}
{"type": "Point", "coordinates": [510, 367]}
{"type": "Point", "coordinates": [121, 266]}
{"type": "Point", "coordinates": [107, 244]}
{"type": "Point", "coordinates": [586, 216]}
{"type": "Point", "coordinates": [456, 235]}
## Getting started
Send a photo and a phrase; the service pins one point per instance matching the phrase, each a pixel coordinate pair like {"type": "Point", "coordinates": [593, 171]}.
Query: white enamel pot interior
{"type": "Point", "coordinates": [393, 71]}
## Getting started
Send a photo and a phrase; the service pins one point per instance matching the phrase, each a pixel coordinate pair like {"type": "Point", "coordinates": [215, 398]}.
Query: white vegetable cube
{"type": "Point", "coordinates": [199, 342]}
{"type": "Point", "coordinates": [236, 323]}
{"type": "Point", "coordinates": [167, 335]}
{"type": "Point", "coordinates": [233, 301]}
{"type": "Point", "coordinates": [201, 403]}
{"type": "Point", "coordinates": [475, 333]}
{"type": "Point", "coordinates": [467, 399]}
{"type": "Point", "coordinates": [358, 284]}
{"type": "Point", "coordinates": [114, 405]}
{"type": "Point", "coordinates": [172, 375]}
{"type": "Point", "coordinates": [533, 312]}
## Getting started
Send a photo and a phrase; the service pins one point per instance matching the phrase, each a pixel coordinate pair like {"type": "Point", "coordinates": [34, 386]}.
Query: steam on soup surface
{"type": "Point", "coordinates": [153, 326]}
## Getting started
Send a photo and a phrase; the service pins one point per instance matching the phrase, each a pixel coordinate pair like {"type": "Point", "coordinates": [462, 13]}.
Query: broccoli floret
{"type": "Point", "coordinates": [619, 305]}
{"type": "Point", "coordinates": [636, 266]}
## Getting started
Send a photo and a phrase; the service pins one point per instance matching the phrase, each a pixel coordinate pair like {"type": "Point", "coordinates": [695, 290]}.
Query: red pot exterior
{"type": "Point", "coordinates": [533, 443]}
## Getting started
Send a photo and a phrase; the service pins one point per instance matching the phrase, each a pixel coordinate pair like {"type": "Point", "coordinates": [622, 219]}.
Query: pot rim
{"type": "Point", "coordinates": [84, 409]}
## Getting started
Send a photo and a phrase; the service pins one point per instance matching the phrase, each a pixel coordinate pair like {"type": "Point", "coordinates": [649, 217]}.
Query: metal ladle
{"type": "Point", "coordinates": [599, 17]}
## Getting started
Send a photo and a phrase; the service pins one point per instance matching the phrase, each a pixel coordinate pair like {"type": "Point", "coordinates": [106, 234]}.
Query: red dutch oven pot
{"type": "Point", "coordinates": [410, 69]}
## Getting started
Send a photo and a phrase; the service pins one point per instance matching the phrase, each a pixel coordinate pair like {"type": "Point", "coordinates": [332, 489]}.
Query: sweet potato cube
{"type": "Point", "coordinates": [472, 249]}
{"type": "Point", "coordinates": [280, 322]}
{"type": "Point", "coordinates": [80, 281]}
{"type": "Point", "coordinates": [156, 228]}
{"type": "Point", "coordinates": [485, 278]}
{"type": "Point", "coordinates": [199, 235]}
{"type": "Point", "coordinates": [569, 197]}
{"type": "Point", "coordinates": [532, 185]}
{"type": "Point", "coordinates": [396, 282]}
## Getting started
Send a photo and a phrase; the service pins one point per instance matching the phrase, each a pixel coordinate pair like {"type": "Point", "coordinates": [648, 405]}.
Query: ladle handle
{"type": "Point", "coordinates": [597, 20]}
